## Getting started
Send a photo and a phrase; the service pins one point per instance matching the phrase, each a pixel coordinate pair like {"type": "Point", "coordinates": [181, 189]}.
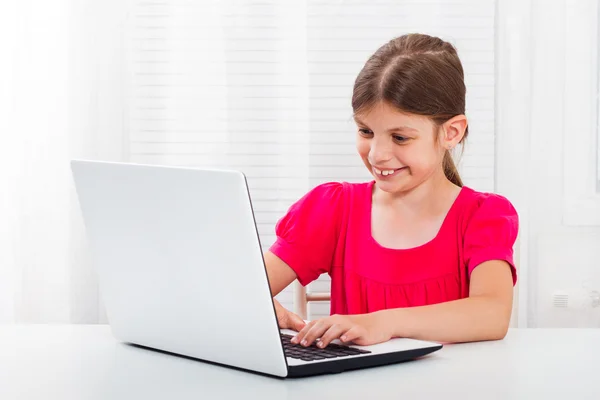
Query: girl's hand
{"type": "Point", "coordinates": [287, 319]}
{"type": "Point", "coordinates": [363, 330]}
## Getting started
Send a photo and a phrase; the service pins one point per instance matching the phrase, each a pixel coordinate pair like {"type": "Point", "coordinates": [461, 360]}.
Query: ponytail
{"type": "Point", "coordinates": [450, 169]}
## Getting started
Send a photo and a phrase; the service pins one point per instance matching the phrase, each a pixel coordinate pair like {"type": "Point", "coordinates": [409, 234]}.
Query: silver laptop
{"type": "Point", "coordinates": [180, 269]}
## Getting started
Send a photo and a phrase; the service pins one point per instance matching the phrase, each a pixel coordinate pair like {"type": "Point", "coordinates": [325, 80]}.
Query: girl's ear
{"type": "Point", "coordinates": [453, 131]}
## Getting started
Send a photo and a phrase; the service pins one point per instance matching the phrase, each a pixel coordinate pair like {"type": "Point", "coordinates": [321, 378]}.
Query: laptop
{"type": "Point", "coordinates": [180, 269]}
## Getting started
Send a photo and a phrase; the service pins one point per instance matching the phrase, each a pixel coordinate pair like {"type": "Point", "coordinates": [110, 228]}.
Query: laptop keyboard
{"type": "Point", "coordinates": [312, 352]}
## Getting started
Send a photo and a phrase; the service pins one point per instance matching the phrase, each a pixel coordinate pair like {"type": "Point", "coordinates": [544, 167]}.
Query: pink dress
{"type": "Point", "coordinates": [329, 231]}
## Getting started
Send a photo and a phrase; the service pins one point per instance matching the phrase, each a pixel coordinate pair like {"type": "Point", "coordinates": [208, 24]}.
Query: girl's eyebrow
{"type": "Point", "coordinates": [400, 128]}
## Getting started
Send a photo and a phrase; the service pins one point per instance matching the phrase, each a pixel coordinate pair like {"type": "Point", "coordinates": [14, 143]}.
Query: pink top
{"type": "Point", "coordinates": [329, 231]}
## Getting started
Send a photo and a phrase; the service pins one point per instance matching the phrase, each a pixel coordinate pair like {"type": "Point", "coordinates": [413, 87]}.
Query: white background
{"type": "Point", "coordinates": [265, 87]}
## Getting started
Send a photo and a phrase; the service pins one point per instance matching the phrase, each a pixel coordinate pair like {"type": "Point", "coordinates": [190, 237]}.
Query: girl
{"type": "Point", "coordinates": [412, 253]}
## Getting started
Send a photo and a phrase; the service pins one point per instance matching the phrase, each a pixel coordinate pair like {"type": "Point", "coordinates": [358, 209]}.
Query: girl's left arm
{"type": "Point", "coordinates": [484, 315]}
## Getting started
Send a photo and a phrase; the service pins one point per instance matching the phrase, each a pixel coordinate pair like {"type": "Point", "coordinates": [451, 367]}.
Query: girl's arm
{"type": "Point", "coordinates": [280, 276]}
{"type": "Point", "coordinates": [484, 315]}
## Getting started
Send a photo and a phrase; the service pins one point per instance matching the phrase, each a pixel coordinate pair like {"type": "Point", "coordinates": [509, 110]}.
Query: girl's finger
{"type": "Point", "coordinates": [334, 332]}
{"type": "Point", "coordinates": [316, 331]}
{"type": "Point", "coordinates": [300, 336]}
{"type": "Point", "coordinates": [296, 322]}
{"type": "Point", "coordinates": [351, 335]}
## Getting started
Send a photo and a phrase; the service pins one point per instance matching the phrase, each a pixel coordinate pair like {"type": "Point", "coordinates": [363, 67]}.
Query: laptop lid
{"type": "Point", "coordinates": [179, 263]}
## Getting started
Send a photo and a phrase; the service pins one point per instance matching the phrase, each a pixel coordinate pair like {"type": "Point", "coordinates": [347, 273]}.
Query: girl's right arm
{"type": "Point", "coordinates": [307, 236]}
{"type": "Point", "coordinates": [280, 276]}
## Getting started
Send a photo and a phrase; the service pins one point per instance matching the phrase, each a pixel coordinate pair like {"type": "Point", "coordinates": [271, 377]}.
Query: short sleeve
{"type": "Point", "coordinates": [307, 235]}
{"type": "Point", "coordinates": [491, 233]}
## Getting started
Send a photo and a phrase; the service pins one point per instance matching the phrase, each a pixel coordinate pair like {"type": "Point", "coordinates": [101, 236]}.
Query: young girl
{"type": "Point", "coordinates": [412, 253]}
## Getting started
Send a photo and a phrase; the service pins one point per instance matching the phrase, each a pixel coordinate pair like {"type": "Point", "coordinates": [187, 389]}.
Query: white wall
{"type": "Point", "coordinates": [546, 106]}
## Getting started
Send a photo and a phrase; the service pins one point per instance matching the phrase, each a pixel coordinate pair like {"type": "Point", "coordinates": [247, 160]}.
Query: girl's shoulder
{"type": "Point", "coordinates": [337, 194]}
{"type": "Point", "coordinates": [323, 201]}
{"type": "Point", "coordinates": [490, 226]}
{"type": "Point", "coordinates": [475, 202]}
{"type": "Point", "coordinates": [324, 195]}
{"type": "Point", "coordinates": [485, 213]}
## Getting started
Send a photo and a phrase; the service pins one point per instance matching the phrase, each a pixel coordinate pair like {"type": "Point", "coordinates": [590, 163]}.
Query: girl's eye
{"type": "Point", "coordinates": [400, 139]}
{"type": "Point", "coordinates": [365, 132]}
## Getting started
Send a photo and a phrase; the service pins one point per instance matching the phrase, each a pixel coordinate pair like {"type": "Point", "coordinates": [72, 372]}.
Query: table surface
{"type": "Point", "coordinates": [86, 362]}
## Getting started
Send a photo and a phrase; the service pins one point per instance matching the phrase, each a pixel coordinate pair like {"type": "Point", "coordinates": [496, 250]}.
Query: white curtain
{"type": "Point", "coordinates": [62, 71]}
{"type": "Point", "coordinates": [34, 271]}
{"type": "Point", "coordinates": [263, 86]}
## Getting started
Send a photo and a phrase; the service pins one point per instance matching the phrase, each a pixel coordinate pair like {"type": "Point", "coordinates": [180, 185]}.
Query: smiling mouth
{"type": "Point", "coordinates": [387, 172]}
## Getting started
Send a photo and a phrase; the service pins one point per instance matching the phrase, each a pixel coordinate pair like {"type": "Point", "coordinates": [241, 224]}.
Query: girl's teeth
{"type": "Point", "coordinates": [384, 172]}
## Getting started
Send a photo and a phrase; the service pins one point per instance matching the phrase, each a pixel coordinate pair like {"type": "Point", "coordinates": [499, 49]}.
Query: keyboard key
{"type": "Point", "coordinates": [313, 353]}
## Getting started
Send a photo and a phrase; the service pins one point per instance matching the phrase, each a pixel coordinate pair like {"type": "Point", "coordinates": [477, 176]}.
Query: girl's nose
{"type": "Point", "coordinates": [379, 153]}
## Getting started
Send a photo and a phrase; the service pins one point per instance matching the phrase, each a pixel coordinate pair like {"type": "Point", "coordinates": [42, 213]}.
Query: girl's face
{"type": "Point", "coordinates": [401, 150]}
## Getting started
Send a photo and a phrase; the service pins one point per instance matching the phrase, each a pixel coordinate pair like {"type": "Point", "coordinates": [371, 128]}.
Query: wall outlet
{"type": "Point", "coordinates": [576, 299]}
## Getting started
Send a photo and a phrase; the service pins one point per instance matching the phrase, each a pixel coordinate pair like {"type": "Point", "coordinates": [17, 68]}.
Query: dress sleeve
{"type": "Point", "coordinates": [307, 235]}
{"type": "Point", "coordinates": [491, 233]}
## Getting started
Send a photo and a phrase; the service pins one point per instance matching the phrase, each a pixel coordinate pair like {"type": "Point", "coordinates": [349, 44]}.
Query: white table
{"type": "Point", "coordinates": [85, 362]}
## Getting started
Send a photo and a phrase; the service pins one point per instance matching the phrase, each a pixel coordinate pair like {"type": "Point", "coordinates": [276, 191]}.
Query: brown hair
{"type": "Point", "coordinates": [417, 74]}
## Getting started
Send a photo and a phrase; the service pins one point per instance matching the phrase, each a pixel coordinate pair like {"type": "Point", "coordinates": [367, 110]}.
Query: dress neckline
{"type": "Point", "coordinates": [443, 226]}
